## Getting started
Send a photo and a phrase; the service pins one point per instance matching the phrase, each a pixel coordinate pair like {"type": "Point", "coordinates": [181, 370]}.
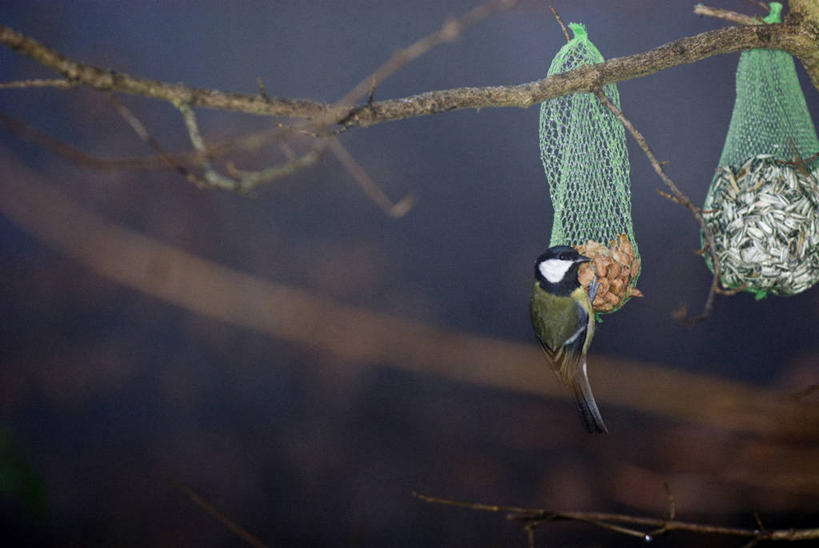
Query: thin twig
{"type": "Point", "coordinates": [727, 15]}
{"type": "Point", "coordinates": [672, 505]}
{"type": "Point", "coordinates": [247, 143]}
{"type": "Point", "coordinates": [668, 196]}
{"type": "Point", "coordinates": [240, 531]}
{"type": "Point", "coordinates": [370, 187]}
{"type": "Point", "coordinates": [798, 162]}
{"type": "Point", "coordinates": [249, 179]}
{"type": "Point", "coordinates": [731, 291]}
{"type": "Point", "coordinates": [142, 132]}
{"type": "Point", "coordinates": [212, 177]}
{"type": "Point", "coordinates": [262, 89]}
{"type": "Point", "coordinates": [61, 83]}
{"type": "Point", "coordinates": [560, 22]}
{"type": "Point", "coordinates": [628, 531]}
{"type": "Point", "coordinates": [371, 94]}
{"type": "Point", "coordinates": [760, 4]}
{"type": "Point", "coordinates": [27, 132]}
{"type": "Point", "coordinates": [530, 533]}
{"type": "Point", "coordinates": [679, 198]}
{"type": "Point", "coordinates": [610, 521]}
{"type": "Point", "coordinates": [449, 32]}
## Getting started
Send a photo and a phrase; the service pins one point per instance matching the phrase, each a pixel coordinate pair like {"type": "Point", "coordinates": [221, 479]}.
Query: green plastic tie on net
{"type": "Point", "coordinates": [584, 154]}
{"type": "Point", "coordinates": [775, 16]}
{"type": "Point", "coordinates": [763, 203]}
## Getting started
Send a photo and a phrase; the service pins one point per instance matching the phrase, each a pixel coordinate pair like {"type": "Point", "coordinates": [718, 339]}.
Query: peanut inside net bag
{"type": "Point", "coordinates": [583, 149]}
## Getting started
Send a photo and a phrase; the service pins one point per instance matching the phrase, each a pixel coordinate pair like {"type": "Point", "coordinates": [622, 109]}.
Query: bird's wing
{"type": "Point", "coordinates": [565, 351]}
{"type": "Point", "coordinates": [563, 348]}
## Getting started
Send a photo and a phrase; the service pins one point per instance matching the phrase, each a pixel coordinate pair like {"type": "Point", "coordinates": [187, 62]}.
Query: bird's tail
{"type": "Point", "coordinates": [586, 405]}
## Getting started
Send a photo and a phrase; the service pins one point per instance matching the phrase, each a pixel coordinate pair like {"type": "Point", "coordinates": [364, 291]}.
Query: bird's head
{"type": "Point", "coordinates": [558, 267]}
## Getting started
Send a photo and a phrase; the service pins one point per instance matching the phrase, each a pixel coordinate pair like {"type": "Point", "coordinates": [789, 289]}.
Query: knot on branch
{"type": "Point", "coordinates": [764, 34]}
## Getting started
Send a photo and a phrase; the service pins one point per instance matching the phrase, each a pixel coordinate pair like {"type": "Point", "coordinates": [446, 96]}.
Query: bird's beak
{"type": "Point", "coordinates": [582, 259]}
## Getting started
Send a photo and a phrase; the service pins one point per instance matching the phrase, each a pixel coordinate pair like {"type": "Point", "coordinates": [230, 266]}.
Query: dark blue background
{"type": "Point", "coordinates": [259, 426]}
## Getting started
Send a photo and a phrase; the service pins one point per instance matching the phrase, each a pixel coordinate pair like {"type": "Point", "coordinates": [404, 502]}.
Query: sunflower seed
{"type": "Point", "coordinates": [765, 218]}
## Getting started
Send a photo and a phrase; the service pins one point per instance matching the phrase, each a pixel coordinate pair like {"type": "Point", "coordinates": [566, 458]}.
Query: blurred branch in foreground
{"type": "Point", "coordinates": [771, 434]}
{"type": "Point", "coordinates": [219, 516]}
{"type": "Point", "coordinates": [228, 295]}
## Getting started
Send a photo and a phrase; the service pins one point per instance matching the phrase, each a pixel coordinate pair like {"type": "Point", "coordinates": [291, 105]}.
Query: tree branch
{"type": "Point", "coordinates": [535, 517]}
{"type": "Point", "coordinates": [371, 189]}
{"type": "Point", "coordinates": [798, 36]}
{"type": "Point", "coordinates": [39, 83]}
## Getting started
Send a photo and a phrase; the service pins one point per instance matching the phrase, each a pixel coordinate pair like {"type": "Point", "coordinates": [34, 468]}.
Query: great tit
{"type": "Point", "coordinates": [564, 324]}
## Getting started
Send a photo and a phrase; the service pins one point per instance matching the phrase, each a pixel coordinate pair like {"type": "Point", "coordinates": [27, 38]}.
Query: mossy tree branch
{"type": "Point", "coordinates": [798, 35]}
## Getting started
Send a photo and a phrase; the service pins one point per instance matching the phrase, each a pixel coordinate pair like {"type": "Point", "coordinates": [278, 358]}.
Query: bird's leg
{"type": "Point", "coordinates": [593, 286]}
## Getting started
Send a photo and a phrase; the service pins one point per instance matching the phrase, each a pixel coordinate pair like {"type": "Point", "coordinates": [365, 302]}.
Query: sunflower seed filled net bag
{"type": "Point", "coordinates": [583, 149]}
{"type": "Point", "coordinates": [763, 204]}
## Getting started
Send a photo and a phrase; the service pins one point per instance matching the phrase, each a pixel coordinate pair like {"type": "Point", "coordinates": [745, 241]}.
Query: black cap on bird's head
{"type": "Point", "coordinates": [557, 268]}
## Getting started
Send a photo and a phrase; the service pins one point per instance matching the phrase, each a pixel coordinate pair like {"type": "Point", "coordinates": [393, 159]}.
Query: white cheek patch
{"type": "Point", "coordinates": [554, 269]}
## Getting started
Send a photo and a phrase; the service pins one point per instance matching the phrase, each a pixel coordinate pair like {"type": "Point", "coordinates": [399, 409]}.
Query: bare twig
{"type": "Point", "coordinates": [612, 522]}
{"type": "Point", "coordinates": [799, 162]}
{"type": "Point", "coordinates": [370, 188]}
{"type": "Point", "coordinates": [240, 531]}
{"type": "Point", "coordinates": [33, 134]}
{"type": "Point", "coordinates": [672, 505]}
{"type": "Point", "coordinates": [760, 4]}
{"type": "Point", "coordinates": [262, 89]}
{"type": "Point", "coordinates": [727, 15]}
{"type": "Point", "coordinates": [668, 196]}
{"type": "Point", "coordinates": [143, 134]}
{"type": "Point", "coordinates": [39, 83]}
{"type": "Point", "coordinates": [730, 291]}
{"type": "Point", "coordinates": [449, 32]}
{"type": "Point", "coordinates": [530, 533]}
{"type": "Point", "coordinates": [248, 143]}
{"type": "Point", "coordinates": [212, 177]}
{"type": "Point", "coordinates": [679, 198]}
{"type": "Point", "coordinates": [250, 179]}
{"type": "Point", "coordinates": [560, 22]}
{"type": "Point", "coordinates": [371, 94]}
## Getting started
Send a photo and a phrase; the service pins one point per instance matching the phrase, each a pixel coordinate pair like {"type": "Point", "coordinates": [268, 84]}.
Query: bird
{"type": "Point", "coordinates": [563, 320]}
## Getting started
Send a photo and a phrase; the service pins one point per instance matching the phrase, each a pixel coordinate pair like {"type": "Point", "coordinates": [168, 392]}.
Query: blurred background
{"type": "Point", "coordinates": [304, 362]}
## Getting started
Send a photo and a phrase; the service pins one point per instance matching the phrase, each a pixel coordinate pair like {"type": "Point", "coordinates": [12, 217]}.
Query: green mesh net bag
{"type": "Point", "coordinates": [763, 203]}
{"type": "Point", "coordinates": [583, 149]}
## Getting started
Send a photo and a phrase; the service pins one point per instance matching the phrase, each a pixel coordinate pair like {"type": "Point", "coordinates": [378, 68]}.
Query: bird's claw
{"type": "Point", "coordinates": [593, 286]}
